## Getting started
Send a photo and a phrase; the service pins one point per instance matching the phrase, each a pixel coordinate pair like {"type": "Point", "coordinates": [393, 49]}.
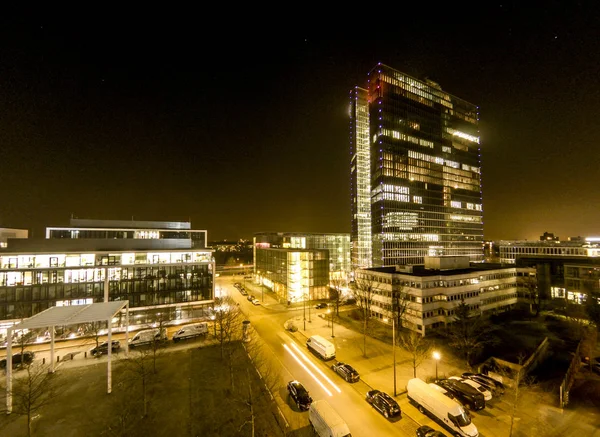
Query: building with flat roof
{"type": "Point", "coordinates": [568, 270]}
{"type": "Point", "coordinates": [6, 233]}
{"type": "Point", "coordinates": [431, 291]}
{"type": "Point", "coordinates": [159, 267]}
{"type": "Point", "coordinates": [299, 266]}
{"type": "Point", "coordinates": [125, 229]}
{"type": "Point", "coordinates": [295, 275]}
{"type": "Point", "coordinates": [415, 172]}
{"type": "Point", "coordinates": [336, 244]}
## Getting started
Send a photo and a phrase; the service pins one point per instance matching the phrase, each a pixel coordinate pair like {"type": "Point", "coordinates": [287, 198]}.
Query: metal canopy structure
{"type": "Point", "coordinates": [68, 315]}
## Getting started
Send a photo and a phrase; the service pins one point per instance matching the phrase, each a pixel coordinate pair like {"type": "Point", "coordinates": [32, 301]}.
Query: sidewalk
{"type": "Point", "coordinates": [377, 369]}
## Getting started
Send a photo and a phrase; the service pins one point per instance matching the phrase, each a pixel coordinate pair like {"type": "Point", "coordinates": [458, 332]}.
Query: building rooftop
{"type": "Point", "coordinates": [96, 245]}
{"type": "Point", "coordinates": [421, 271]}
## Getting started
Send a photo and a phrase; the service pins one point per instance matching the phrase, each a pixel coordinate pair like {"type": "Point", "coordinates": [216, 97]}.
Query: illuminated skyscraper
{"type": "Point", "coordinates": [415, 172]}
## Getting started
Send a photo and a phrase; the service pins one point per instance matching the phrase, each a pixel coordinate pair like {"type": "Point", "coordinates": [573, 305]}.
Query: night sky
{"type": "Point", "coordinates": [244, 128]}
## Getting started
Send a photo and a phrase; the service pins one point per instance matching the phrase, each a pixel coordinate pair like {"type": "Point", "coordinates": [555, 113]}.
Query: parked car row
{"type": "Point", "coordinates": [472, 390]}
{"type": "Point", "coordinates": [241, 289]}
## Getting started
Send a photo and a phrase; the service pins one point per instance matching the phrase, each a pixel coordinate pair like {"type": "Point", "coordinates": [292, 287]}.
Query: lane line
{"type": "Point", "coordinates": [317, 380]}
{"type": "Point", "coordinates": [305, 358]}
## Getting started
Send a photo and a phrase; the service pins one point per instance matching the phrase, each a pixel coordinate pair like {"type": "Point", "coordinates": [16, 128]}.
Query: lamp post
{"type": "Point", "coordinates": [436, 357]}
{"type": "Point", "coordinates": [304, 309]}
{"type": "Point", "coordinates": [393, 348]}
{"type": "Point", "coordinates": [332, 314]}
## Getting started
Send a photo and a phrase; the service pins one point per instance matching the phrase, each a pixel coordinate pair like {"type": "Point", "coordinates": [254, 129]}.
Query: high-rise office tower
{"type": "Point", "coordinates": [415, 172]}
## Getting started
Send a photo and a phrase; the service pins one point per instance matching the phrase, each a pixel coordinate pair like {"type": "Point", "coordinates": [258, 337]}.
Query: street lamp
{"type": "Point", "coordinates": [436, 357]}
{"type": "Point", "coordinates": [304, 309]}
{"type": "Point", "coordinates": [393, 348]}
{"type": "Point", "coordinates": [332, 314]}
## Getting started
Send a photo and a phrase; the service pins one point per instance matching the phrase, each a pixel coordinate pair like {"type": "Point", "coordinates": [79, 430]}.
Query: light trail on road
{"type": "Point", "coordinates": [318, 381]}
{"type": "Point", "coordinates": [305, 358]}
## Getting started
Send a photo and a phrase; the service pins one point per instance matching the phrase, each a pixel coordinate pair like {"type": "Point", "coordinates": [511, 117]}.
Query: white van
{"type": "Point", "coordinates": [450, 413]}
{"type": "Point", "coordinates": [192, 330]}
{"type": "Point", "coordinates": [326, 421]}
{"type": "Point", "coordinates": [145, 337]}
{"type": "Point", "coordinates": [325, 349]}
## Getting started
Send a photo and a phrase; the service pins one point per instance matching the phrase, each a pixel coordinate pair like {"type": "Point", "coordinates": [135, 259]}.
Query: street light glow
{"type": "Point", "coordinates": [436, 356]}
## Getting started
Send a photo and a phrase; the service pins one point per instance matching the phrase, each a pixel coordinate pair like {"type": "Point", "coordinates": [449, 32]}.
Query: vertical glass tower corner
{"type": "Point", "coordinates": [420, 194]}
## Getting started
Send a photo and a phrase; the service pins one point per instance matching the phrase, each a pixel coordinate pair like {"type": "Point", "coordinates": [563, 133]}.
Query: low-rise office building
{"type": "Point", "coordinates": [153, 267]}
{"type": "Point", "coordinates": [564, 269]}
{"type": "Point", "coordinates": [299, 266]}
{"type": "Point", "coordinates": [295, 275]}
{"type": "Point", "coordinates": [6, 233]}
{"type": "Point", "coordinates": [336, 244]}
{"type": "Point", "coordinates": [430, 292]}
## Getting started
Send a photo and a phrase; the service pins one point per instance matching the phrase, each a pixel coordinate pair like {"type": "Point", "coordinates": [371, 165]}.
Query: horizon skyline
{"type": "Point", "coordinates": [250, 132]}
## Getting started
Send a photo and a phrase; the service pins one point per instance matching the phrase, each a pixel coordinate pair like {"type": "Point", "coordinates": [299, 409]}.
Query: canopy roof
{"type": "Point", "coordinates": [72, 315]}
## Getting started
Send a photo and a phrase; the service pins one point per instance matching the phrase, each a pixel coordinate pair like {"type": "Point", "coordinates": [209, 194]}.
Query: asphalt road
{"type": "Point", "coordinates": [296, 362]}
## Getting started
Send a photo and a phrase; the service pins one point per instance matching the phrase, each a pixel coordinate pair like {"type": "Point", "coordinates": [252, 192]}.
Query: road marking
{"type": "Point", "coordinates": [305, 358]}
{"type": "Point", "coordinates": [317, 380]}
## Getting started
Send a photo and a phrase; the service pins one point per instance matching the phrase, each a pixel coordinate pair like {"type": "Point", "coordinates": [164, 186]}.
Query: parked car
{"type": "Point", "coordinates": [299, 394]}
{"type": "Point", "coordinates": [255, 302]}
{"type": "Point", "coordinates": [427, 431]}
{"type": "Point", "coordinates": [148, 337]}
{"type": "Point", "coordinates": [102, 348]}
{"type": "Point", "coordinates": [491, 380]}
{"type": "Point", "coordinates": [27, 358]}
{"type": "Point", "coordinates": [190, 331]}
{"type": "Point", "coordinates": [484, 382]}
{"type": "Point", "coordinates": [468, 396]}
{"type": "Point", "coordinates": [346, 371]}
{"type": "Point", "coordinates": [321, 305]}
{"type": "Point", "coordinates": [383, 403]}
{"type": "Point", "coordinates": [487, 394]}
{"type": "Point", "coordinates": [250, 297]}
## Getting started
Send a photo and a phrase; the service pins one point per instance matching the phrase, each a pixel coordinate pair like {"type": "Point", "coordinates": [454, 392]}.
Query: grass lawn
{"type": "Point", "coordinates": [190, 395]}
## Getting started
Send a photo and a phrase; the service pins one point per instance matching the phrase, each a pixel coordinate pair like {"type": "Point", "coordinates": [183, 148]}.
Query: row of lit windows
{"type": "Point", "coordinates": [500, 298]}
{"type": "Point", "coordinates": [91, 259]}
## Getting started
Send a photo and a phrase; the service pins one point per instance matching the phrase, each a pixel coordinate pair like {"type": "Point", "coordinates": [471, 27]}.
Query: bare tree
{"type": "Point", "coordinates": [24, 337]}
{"type": "Point", "coordinates": [95, 330]}
{"type": "Point", "coordinates": [125, 419]}
{"type": "Point", "coordinates": [335, 293]}
{"type": "Point", "coordinates": [158, 341]}
{"type": "Point", "coordinates": [139, 368]}
{"type": "Point", "coordinates": [417, 346]}
{"type": "Point", "coordinates": [365, 288]}
{"type": "Point", "coordinates": [469, 332]}
{"type": "Point", "coordinates": [228, 319]}
{"type": "Point", "coordinates": [260, 391]}
{"type": "Point", "coordinates": [32, 391]}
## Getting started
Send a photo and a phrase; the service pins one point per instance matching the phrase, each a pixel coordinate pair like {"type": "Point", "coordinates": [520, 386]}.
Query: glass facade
{"type": "Point", "coordinates": [337, 245]}
{"type": "Point", "coordinates": [198, 238]}
{"type": "Point", "coordinates": [30, 283]}
{"type": "Point", "coordinates": [425, 171]}
{"type": "Point", "coordinates": [294, 275]}
{"type": "Point", "coordinates": [360, 179]}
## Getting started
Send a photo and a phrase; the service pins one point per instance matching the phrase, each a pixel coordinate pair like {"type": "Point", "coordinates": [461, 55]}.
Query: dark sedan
{"type": "Point", "coordinates": [102, 348]}
{"type": "Point", "coordinates": [383, 403]}
{"type": "Point", "coordinates": [17, 359]}
{"type": "Point", "coordinates": [299, 394]}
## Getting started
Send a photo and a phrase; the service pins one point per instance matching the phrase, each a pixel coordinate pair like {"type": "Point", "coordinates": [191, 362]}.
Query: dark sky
{"type": "Point", "coordinates": [242, 126]}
